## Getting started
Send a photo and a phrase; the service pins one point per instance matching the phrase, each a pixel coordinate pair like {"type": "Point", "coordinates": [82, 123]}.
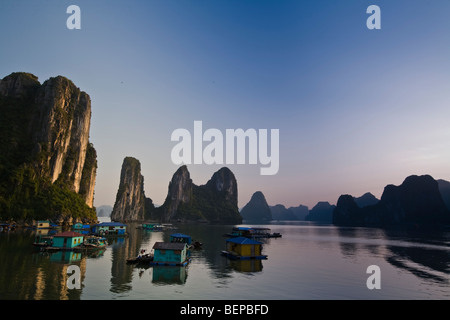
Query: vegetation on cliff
{"type": "Point", "coordinates": [34, 118]}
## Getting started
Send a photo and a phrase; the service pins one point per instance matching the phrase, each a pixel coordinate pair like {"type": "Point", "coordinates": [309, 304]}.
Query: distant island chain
{"type": "Point", "coordinates": [234, 144]}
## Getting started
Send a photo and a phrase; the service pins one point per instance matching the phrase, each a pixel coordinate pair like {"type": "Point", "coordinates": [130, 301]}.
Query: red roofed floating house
{"type": "Point", "coordinates": [67, 240]}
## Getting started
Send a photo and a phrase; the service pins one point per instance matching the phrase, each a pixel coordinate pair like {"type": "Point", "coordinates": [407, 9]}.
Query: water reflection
{"type": "Point", "coordinates": [254, 265]}
{"type": "Point", "coordinates": [424, 255]}
{"type": "Point", "coordinates": [163, 275]}
{"type": "Point", "coordinates": [26, 273]}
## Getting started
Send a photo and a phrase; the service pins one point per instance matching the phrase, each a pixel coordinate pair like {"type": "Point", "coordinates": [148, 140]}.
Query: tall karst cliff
{"type": "Point", "coordinates": [214, 202]}
{"type": "Point", "coordinates": [131, 203]}
{"type": "Point", "coordinates": [47, 161]}
{"type": "Point", "coordinates": [257, 210]}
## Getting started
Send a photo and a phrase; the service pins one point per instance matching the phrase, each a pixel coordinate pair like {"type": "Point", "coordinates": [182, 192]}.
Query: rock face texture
{"type": "Point", "coordinates": [46, 130]}
{"type": "Point", "coordinates": [417, 201]}
{"type": "Point", "coordinates": [130, 198]}
{"type": "Point", "coordinates": [180, 193]}
{"type": "Point", "coordinates": [257, 210]}
{"type": "Point", "coordinates": [215, 202]}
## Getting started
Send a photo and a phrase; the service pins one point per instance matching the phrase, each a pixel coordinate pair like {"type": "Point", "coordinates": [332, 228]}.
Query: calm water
{"type": "Point", "coordinates": [308, 262]}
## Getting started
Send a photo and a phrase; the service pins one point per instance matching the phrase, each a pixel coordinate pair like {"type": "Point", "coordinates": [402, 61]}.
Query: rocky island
{"type": "Point", "coordinates": [47, 163]}
{"type": "Point", "coordinates": [214, 202]}
{"type": "Point", "coordinates": [417, 201]}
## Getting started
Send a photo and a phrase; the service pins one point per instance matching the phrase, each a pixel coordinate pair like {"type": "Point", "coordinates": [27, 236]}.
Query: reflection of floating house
{"type": "Point", "coordinates": [243, 248]}
{"type": "Point", "coordinates": [65, 256]}
{"type": "Point", "coordinates": [169, 275]}
{"type": "Point", "coordinates": [67, 240]}
{"type": "Point", "coordinates": [170, 254]}
{"type": "Point", "coordinates": [109, 228]}
{"type": "Point", "coordinates": [251, 265]}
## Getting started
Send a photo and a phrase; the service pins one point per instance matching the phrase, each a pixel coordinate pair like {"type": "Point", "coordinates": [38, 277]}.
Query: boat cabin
{"type": "Point", "coordinates": [170, 253]}
{"type": "Point", "coordinates": [180, 238]}
{"type": "Point", "coordinates": [244, 248]}
{"type": "Point", "coordinates": [67, 240]}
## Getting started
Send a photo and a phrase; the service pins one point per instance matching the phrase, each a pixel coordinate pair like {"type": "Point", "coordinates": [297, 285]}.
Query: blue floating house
{"type": "Point", "coordinates": [243, 248]}
{"type": "Point", "coordinates": [81, 228]}
{"type": "Point", "coordinates": [170, 254]}
{"type": "Point", "coordinates": [109, 228]}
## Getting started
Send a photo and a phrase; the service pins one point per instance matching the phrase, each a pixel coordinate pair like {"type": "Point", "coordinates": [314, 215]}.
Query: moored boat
{"type": "Point", "coordinates": [93, 242]}
{"type": "Point", "coordinates": [249, 232]}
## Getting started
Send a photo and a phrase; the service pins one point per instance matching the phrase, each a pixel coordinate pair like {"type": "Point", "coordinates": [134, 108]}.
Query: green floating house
{"type": "Point", "coordinates": [67, 240]}
{"type": "Point", "coordinates": [170, 254]}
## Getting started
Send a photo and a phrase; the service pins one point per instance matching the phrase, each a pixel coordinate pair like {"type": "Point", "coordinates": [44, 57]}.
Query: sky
{"type": "Point", "coordinates": [356, 108]}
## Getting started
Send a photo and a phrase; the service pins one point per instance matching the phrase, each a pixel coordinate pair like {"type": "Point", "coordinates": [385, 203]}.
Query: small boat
{"type": "Point", "coordinates": [141, 258]}
{"type": "Point", "coordinates": [264, 233]}
{"type": "Point", "coordinates": [183, 238]}
{"type": "Point", "coordinates": [254, 233]}
{"type": "Point", "coordinates": [43, 241]}
{"type": "Point", "coordinates": [93, 242]}
{"type": "Point", "coordinates": [153, 226]}
{"type": "Point", "coordinates": [197, 245]}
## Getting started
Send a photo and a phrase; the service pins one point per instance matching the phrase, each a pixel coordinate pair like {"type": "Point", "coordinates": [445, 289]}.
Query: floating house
{"type": "Point", "coordinates": [109, 228]}
{"type": "Point", "coordinates": [81, 228]}
{"type": "Point", "coordinates": [67, 240]}
{"type": "Point", "coordinates": [170, 254]}
{"type": "Point", "coordinates": [243, 248]}
{"type": "Point", "coordinates": [41, 224]}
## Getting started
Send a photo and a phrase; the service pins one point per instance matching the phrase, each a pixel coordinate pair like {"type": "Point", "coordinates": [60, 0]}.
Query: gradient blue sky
{"type": "Point", "coordinates": [357, 109]}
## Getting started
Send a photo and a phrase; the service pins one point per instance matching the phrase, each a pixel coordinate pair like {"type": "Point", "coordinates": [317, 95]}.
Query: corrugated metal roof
{"type": "Point", "coordinates": [68, 234]}
{"type": "Point", "coordinates": [243, 240]}
{"type": "Point", "coordinates": [169, 246]}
